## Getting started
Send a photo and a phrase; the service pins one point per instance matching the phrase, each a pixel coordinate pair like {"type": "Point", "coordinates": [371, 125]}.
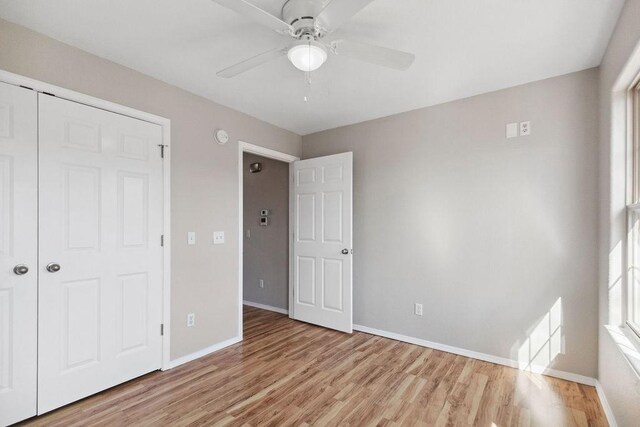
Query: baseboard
{"type": "Point", "coordinates": [201, 353]}
{"type": "Point", "coordinates": [476, 355]}
{"type": "Point", "coordinates": [608, 412]}
{"type": "Point", "coordinates": [265, 307]}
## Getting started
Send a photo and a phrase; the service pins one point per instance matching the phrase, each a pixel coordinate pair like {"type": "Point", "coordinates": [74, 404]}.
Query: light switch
{"type": "Point", "coordinates": [512, 130]}
{"type": "Point", "coordinates": [417, 309]}
{"type": "Point", "coordinates": [191, 238]}
{"type": "Point", "coordinates": [218, 237]}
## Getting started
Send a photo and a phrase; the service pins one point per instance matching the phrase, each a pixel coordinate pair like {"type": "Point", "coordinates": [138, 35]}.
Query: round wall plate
{"type": "Point", "coordinates": [222, 137]}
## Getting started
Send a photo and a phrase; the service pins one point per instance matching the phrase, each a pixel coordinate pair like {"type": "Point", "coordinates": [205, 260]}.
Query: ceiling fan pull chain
{"type": "Point", "coordinates": [307, 86]}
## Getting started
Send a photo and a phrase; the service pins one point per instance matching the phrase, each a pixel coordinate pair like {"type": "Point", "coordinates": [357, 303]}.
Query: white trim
{"type": "Point", "coordinates": [166, 290]}
{"type": "Point", "coordinates": [165, 123]}
{"type": "Point", "coordinates": [608, 412]}
{"type": "Point", "coordinates": [38, 86]}
{"type": "Point", "coordinates": [245, 147]}
{"type": "Point", "coordinates": [266, 307]}
{"type": "Point", "coordinates": [267, 152]}
{"type": "Point", "coordinates": [292, 236]}
{"type": "Point", "coordinates": [204, 352]}
{"type": "Point", "coordinates": [476, 355]}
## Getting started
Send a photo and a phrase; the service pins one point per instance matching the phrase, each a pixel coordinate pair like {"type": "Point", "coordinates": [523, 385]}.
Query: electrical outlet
{"type": "Point", "coordinates": [191, 319]}
{"type": "Point", "coordinates": [218, 237]}
{"type": "Point", "coordinates": [261, 284]}
{"type": "Point", "coordinates": [525, 128]}
{"type": "Point", "coordinates": [417, 309]}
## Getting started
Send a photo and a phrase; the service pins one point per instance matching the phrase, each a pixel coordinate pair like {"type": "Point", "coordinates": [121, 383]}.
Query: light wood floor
{"type": "Point", "coordinates": [291, 373]}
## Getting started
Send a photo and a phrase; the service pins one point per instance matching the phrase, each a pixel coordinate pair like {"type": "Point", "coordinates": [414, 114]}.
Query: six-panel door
{"type": "Point", "coordinates": [18, 248]}
{"type": "Point", "coordinates": [322, 270]}
{"type": "Point", "coordinates": [100, 228]}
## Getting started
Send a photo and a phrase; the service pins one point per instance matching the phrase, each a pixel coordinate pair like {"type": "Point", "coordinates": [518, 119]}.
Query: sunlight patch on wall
{"type": "Point", "coordinates": [615, 285]}
{"type": "Point", "coordinates": [545, 341]}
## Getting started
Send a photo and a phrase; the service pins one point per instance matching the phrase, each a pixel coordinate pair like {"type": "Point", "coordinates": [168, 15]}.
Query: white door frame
{"type": "Point", "coordinates": [38, 86]}
{"type": "Point", "coordinates": [245, 147]}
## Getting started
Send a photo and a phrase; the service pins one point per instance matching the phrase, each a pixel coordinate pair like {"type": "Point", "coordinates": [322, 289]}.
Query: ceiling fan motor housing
{"type": "Point", "coordinates": [301, 15]}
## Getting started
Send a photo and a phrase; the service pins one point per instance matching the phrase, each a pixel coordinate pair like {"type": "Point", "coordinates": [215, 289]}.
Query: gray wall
{"type": "Point", "coordinates": [619, 382]}
{"type": "Point", "coordinates": [487, 233]}
{"type": "Point", "coordinates": [204, 181]}
{"type": "Point", "coordinates": [266, 252]}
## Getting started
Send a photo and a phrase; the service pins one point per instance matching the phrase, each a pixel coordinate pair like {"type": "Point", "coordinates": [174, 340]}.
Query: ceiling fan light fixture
{"type": "Point", "coordinates": [308, 55]}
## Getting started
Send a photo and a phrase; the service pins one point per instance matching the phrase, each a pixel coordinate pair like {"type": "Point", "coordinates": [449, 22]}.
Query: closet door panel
{"type": "Point", "coordinates": [18, 253]}
{"type": "Point", "coordinates": [100, 222]}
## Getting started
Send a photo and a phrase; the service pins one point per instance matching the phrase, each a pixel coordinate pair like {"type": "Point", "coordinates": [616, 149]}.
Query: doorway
{"type": "Point", "coordinates": [265, 229]}
{"type": "Point", "coordinates": [320, 284]}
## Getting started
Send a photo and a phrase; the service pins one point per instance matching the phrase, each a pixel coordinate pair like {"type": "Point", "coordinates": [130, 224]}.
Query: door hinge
{"type": "Point", "coordinates": [162, 240]}
{"type": "Point", "coordinates": [162, 329]}
{"type": "Point", "coordinates": [162, 150]}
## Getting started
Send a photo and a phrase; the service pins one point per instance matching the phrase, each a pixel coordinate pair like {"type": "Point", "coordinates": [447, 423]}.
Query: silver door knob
{"type": "Point", "coordinates": [345, 252]}
{"type": "Point", "coordinates": [53, 267]}
{"type": "Point", "coordinates": [20, 269]}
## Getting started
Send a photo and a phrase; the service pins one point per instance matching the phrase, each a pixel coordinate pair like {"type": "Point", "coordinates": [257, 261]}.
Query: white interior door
{"type": "Point", "coordinates": [18, 248]}
{"type": "Point", "coordinates": [100, 224]}
{"type": "Point", "coordinates": [322, 255]}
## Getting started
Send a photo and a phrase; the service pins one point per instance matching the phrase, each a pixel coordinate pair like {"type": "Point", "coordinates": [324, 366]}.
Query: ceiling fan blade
{"type": "Point", "coordinates": [253, 62]}
{"type": "Point", "coordinates": [337, 12]}
{"type": "Point", "coordinates": [390, 58]}
{"type": "Point", "coordinates": [252, 11]}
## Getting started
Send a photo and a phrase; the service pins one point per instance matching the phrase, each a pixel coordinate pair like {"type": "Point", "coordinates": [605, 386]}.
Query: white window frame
{"type": "Point", "coordinates": [631, 311]}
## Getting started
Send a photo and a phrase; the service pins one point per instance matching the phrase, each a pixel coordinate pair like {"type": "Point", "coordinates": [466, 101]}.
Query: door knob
{"type": "Point", "coordinates": [20, 269]}
{"type": "Point", "coordinates": [345, 252]}
{"type": "Point", "coordinates": [53, 267]}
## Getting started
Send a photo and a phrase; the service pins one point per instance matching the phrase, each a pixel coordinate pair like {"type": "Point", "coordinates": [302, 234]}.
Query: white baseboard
{"type": "Point", "coordinates": [265, 307]}
{"type": "Point", "coordinates": [201, 353]}
{"type": "Point", "coordinates": [608, 412]}
{"type": "Point", "coordinates": [476, 355]}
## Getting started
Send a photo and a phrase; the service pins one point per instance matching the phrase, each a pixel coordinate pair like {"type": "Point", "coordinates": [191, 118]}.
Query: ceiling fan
{"type": "Point", "coordinates": [307, 22]}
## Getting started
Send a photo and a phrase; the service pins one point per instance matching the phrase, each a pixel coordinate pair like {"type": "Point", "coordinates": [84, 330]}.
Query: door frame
{"type": "Point", "coordinates": [165, 124]}
{"type": "Point", "coordinates": [245, 147]}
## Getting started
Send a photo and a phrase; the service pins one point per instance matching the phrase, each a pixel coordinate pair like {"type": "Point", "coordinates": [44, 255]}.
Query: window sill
{"type": "Point", "coordinates": [628, 343]}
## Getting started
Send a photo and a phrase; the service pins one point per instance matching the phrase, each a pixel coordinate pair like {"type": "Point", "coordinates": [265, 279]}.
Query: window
{"type": "Point", "coordinates": [633, 212]}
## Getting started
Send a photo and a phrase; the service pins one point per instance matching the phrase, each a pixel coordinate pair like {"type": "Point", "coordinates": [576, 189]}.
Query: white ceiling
{"type": "Point", "coordinates": [462, 47]}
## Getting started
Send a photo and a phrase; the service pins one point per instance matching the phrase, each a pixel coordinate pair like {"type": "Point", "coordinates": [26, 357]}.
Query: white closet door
{"type": "Point", "coordinates": [18, 247]}
{"type": "Point", "coordinates": [100, 224]}
{"type": "Point", "coordinates": [322, 269]}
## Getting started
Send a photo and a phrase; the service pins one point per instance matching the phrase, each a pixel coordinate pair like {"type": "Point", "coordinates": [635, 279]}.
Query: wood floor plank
{"type": "Point", "coordinates": [291, 373]}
